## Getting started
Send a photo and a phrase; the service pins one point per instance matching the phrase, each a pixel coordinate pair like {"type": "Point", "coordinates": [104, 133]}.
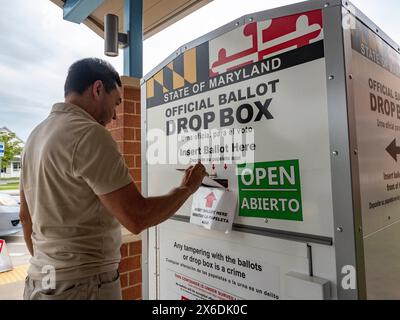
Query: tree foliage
{"type": "Point", "coordinates": [12, 147]}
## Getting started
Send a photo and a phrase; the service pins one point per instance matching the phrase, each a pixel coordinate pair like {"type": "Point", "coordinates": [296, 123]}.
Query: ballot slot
{"type": "Point", "coordinates": [222, 182]}
{"type": "Point", "coordinates": [215, 183]}
{"type": "Point", "coordinates": [212, 181]}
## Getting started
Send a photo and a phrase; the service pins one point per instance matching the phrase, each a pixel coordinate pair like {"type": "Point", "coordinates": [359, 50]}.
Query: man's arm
{"type": "Point", "coordinates": [25, 218]}
{"type": "Point", "coordinates": [137, 213]}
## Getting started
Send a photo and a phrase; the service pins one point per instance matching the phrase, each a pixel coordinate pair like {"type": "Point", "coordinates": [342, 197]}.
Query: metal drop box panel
{"type": "Point", "coordinates": [297, 109]}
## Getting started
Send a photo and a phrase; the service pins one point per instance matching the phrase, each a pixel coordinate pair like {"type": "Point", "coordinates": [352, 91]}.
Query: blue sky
{"type": "Point", "coordinates": [37, 47]}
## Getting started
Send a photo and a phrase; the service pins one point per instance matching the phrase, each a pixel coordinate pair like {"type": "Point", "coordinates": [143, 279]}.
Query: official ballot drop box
{"type": "Point", "coordinates": [296, 110]}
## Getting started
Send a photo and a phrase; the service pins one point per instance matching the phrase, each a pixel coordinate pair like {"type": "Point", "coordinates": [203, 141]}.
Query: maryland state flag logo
{"type": "Point", "coordinates": [238, 49]}
{"type": "Point", "coordinates": [187, 69]}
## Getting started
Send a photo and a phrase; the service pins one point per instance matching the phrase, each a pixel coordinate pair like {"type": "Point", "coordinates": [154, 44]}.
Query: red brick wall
{"type": "Point", "coordinates": [131, 271]}
{"type": "Point", "coordinates": [126, 132]}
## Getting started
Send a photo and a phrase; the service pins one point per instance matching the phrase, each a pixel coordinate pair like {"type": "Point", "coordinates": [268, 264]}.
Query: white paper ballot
{"type": "Point", "coordinates": [213, 209]}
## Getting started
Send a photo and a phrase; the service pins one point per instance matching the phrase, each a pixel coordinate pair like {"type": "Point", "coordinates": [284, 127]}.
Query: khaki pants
{"type": "Point", "coordinates": [104, 286]}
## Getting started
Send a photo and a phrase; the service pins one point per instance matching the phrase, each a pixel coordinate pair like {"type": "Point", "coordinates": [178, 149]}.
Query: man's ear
{"type": "Point", "coordinates": [97, 89]}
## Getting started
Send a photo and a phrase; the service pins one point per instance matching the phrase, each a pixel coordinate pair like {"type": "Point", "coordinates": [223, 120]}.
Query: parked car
{"type": "Point", "coordinates": [9, 215]}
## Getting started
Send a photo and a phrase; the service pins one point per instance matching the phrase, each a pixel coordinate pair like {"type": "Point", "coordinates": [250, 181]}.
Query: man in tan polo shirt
{"type": "Point", "coordinates": [76, 191]}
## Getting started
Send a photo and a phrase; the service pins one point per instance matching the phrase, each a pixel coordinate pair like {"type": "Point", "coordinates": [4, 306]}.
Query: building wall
{"type": "Point", "coordinates": [10, 172]}
{"type": "Point", "coordinates": [126, 130]}
{"type": "Point", "coordinates": [130, 269]}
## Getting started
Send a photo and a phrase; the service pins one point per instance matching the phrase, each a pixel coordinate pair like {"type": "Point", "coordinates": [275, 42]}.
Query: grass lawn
{"type": "Point", "coordinates": [10, 186]}
{"type": "Point", "coordinates": [9, 179]}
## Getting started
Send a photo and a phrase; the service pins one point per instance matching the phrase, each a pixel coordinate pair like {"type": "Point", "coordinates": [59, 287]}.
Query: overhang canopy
{"type": "Point", "coordinates": [157, 14]}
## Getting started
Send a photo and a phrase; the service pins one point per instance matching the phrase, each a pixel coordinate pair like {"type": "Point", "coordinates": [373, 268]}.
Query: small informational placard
{"type": "Point", "coordinates": [213, 209]}
{"type": "Point", "coordinates": [2, 149]}
{"type": "Point", "coordinates": [270, 190]}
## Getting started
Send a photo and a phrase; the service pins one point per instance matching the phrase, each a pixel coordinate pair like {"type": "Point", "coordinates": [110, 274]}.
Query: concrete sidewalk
{"type": "Point", "coordinates": [10, 192]}
{"type": "Point", "coordinates": [12, 283]}
{"type": "Point", "coordinates": [12, 291]}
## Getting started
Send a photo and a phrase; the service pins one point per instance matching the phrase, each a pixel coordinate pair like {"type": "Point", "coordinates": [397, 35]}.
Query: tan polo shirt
{"type": "Point", "coordinates": [68, 161]}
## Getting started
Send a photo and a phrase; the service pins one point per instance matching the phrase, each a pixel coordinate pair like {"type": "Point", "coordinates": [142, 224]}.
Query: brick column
{"type": "Point", "coordinates": [126, 132]}
{"type": "Point", "coordinates": [126, 129]}
{"type": "Point", "coordinates": [130, 270]}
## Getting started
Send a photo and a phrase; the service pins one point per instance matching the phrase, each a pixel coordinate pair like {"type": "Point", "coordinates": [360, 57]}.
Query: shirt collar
{"type": "Point", "coordinates": [71, 108]}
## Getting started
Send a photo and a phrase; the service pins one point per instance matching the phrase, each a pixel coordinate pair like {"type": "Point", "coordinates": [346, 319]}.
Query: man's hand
{"type": "Point", "coordinates": [193, 177]}
{"type": "Point", "coordinates": [137, 213]}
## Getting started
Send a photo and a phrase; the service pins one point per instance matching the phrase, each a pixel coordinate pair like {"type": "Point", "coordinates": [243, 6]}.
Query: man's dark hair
{"type": "Point", "coordinates": [83, 73]}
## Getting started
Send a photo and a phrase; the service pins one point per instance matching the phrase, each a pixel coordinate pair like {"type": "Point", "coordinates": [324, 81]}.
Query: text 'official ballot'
{"type": "Point", "coordinates": [213, 208]}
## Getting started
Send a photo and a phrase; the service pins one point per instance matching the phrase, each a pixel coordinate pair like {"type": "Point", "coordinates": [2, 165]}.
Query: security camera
{"type": "Point", "coordinates": [112, 38]}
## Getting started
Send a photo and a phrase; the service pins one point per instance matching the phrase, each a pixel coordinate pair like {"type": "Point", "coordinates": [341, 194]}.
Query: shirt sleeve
{"type": "Point", "coordinates": [97, 160]}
